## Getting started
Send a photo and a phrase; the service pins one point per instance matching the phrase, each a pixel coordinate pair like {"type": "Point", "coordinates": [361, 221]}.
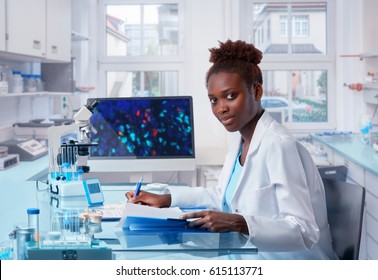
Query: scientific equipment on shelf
{"type": "Point", "coordinates": [7, 160]}
{"type": "Point", "coordinates": [37, 128]}
{"type": "Point", "coordinates": [27, 149]}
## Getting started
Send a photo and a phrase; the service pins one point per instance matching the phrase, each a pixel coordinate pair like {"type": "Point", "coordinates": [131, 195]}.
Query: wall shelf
{"type": "Point", "coordinates": [75, 36]}
{"type": "Point", "coordinates": [369, 55]}
{"type": "Point", "coordinates": [370, 91]}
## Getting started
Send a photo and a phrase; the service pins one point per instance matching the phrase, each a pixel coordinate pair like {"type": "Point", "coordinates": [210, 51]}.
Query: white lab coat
{"type": "Point", "coordinates": [280, 193]}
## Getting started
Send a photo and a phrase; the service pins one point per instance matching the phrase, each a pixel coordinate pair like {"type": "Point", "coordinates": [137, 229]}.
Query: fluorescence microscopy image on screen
{"type": "Point", "coordinates": [144, 127]}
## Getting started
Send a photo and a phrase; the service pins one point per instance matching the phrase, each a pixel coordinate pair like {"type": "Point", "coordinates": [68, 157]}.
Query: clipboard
{"type": "Point", "coordinates": [133, 223]}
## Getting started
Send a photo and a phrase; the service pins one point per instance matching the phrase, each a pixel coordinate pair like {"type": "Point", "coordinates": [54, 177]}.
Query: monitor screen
{"type": "Point", "coordinates": [145, 128]}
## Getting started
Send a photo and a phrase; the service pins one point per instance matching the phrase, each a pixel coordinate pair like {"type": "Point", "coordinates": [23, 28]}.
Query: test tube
{"type": "Point", "coordinates": [80, 173]}
{"type": "Point", "coordinates": [65, 171]}
{"type": "Point", "coordinates": [54, 171]}
{"type": "Point", "coordinates": [69, 161]}
{"type": "Point", "coordinates": [75, 174]}
{"type": "Point", "coordinates": [33, 221]}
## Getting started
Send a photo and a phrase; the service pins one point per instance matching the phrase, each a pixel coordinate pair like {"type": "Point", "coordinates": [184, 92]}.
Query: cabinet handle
{"type": "Point", "coordinates": [37, 44]}
{"type": "Point", "coordinates": [54, 49]}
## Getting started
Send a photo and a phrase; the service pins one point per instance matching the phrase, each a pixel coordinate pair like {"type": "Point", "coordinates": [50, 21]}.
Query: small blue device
{"type": "Point", "coordinates": [93, 192]}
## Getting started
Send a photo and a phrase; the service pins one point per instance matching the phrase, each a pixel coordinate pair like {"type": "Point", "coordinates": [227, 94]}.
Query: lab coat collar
{"type": "Point", "coordinates": [260, 129]}
{"type": "Point", "coordinates": [258, 134]}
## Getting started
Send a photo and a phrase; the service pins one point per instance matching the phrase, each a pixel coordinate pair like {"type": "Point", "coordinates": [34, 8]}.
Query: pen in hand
{"type": "Point", "coordinates": [138, 186]}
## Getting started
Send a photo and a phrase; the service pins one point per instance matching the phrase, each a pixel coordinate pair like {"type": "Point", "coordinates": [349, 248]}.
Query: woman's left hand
{"type": "Point", "coordinates": [216, 221]}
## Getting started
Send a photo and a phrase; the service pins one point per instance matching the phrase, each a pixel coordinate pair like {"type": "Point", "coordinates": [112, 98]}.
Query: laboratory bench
{"type": "Point", "coordinates": [22, 190]}
{"type": "Point", "coordinates": [362, 163]}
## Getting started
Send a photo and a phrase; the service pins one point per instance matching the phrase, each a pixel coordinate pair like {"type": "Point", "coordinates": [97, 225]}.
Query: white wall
{"type": "Point", "coordinates": [204, 27]}
{"type": "Point", "coordinates": [348, 69]}
{"type": "Point", "coordinates": [356, 34]}
{"type": "Point", "coordinates": [207, 22]}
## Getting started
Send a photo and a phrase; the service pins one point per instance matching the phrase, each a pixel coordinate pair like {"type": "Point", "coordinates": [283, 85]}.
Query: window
{"type": "Point", "coordinates": [141, 83]}
{"type": "Point", "coordinates": [298, 60]}
{"type": "Point", "coordinates": [140, 53]}
{"type": "Point", "coordinates": [144, 29]}
{"type": "Point", "coordinates": [299, 26]}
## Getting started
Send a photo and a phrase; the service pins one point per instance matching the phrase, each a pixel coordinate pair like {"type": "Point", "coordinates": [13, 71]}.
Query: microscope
{"type": "Point", "coordinates": [69, 147]}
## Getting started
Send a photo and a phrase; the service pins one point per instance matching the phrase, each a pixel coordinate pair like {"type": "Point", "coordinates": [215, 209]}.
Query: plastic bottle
{"type": "Point", "coordinates": [17, 82]}
{"type": "Point", "coordinates": [365, 125]}
{"type": "Point", "coordinates": [8, 73]}
{"type": "Point", "coordinates": [31, 84]}
{"type": "Point", "coordinates": [3, 80]}
{"type": "Point", "coordinates": [39, 83]}
{"type": "Point", "coordinates": [25, 78]}
{"type": "Point", "coordinates": [33, 221]}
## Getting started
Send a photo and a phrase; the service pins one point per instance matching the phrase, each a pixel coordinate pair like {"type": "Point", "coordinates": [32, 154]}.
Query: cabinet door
{"type": "Point", "coordinates": [26, 27]}
{"type": "Point", "coordinates": [58, 31]}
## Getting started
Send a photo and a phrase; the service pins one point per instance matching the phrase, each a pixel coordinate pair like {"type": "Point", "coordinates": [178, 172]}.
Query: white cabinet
{"type": "Point", "coordinates": [26, 27]}
{"type": "Point", "coordinates": [38, 29]}
{"type": "Point", "coordinates": [2, 25]}
{"type": "Point", "coordinates": [58, 30]}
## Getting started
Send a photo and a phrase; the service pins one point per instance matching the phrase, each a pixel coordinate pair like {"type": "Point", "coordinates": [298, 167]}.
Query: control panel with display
{"type": "Point", "coordinates": [93, 192]}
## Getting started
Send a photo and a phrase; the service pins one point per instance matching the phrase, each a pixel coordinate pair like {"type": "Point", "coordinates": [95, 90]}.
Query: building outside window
{"type": "Point", "coordinates": [297, 62]}
{"type": "Point", "coordinates": [141, 55]}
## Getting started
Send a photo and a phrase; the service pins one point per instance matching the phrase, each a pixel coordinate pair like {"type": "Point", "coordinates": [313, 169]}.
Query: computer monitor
{"type": "Point", "coordinates": [143, 134]}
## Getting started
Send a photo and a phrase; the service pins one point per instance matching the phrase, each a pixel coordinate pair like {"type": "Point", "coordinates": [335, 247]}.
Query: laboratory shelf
{"type": "Point", "coordinates": [369, 55]}
{"type": "Point", "coordinates": [75, 36]}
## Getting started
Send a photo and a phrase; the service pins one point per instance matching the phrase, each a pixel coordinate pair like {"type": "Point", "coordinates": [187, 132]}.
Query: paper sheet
{"type": "Point", "coordinates": [137, 210]}
{"type": "Point", "coordinates": [112, 212]}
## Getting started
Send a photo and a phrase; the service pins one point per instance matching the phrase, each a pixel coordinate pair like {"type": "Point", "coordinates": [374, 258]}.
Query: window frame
{"type": "Point", "coordinates": [293, 62]}
{"type": "Point", "coordinates": [142, 62]}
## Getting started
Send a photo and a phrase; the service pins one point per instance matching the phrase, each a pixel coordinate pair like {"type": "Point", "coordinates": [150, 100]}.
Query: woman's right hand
{"type": "Point", "coordinates": [150, 199]}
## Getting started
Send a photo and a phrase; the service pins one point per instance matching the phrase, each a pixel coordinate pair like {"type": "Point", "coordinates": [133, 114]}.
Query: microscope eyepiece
{"type": "Point", "coordinates": [92, 104]}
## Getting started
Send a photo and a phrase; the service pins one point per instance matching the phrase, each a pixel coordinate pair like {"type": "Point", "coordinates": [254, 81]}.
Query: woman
{"type": "Point", "coordinates": [269, 187]}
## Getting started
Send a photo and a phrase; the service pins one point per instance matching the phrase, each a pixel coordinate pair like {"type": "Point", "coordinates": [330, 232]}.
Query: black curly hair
{"type": "Point", "coordinates": [236, 57]}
